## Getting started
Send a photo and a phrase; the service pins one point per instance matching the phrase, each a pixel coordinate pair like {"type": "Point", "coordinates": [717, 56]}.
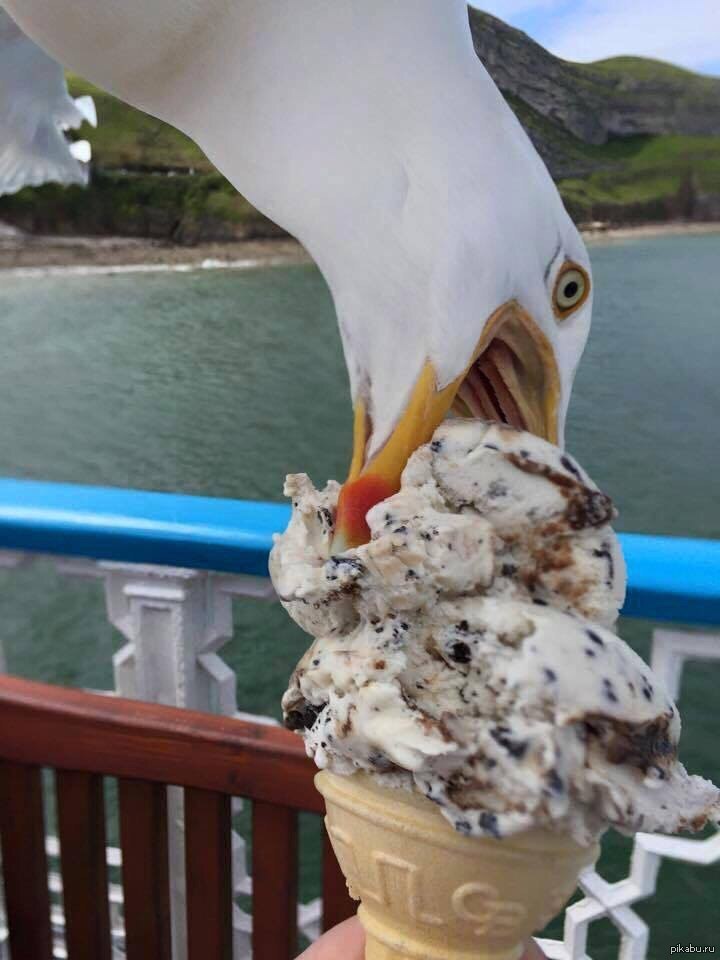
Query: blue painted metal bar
{"type": "Point", "coordinates": [670, 578]}
{"type": "Point", "coordinates": [138, 526]}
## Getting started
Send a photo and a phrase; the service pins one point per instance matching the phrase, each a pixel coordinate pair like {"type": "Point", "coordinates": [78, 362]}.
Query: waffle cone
{"type": "Point", "coordinates": [430, 893]}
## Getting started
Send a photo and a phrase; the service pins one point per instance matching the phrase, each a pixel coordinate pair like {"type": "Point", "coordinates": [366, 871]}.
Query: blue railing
{"type": "Point", "coordinates": [669, 578]}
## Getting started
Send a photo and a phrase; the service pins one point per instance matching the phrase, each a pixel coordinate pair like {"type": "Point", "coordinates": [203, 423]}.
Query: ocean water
{"type": "Point", "coordinates": [221, 382]}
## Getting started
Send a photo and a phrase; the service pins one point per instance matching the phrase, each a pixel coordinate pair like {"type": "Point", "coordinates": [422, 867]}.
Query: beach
{"type": "Point", "coordinates": [31, 253]}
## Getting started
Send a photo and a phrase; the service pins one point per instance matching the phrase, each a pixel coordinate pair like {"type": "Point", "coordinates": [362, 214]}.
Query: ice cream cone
{"type": "Point", "coordinates": [430, 893]}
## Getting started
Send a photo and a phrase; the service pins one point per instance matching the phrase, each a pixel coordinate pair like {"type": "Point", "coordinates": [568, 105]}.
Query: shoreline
{"type": "Point", "coordinates": [672, 228]}
{"type": "Point", "coordinates": [27, 255]}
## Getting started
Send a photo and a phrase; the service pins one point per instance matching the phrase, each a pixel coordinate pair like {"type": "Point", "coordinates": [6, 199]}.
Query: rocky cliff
{"type": "Point", "coordinates": [620, 97]}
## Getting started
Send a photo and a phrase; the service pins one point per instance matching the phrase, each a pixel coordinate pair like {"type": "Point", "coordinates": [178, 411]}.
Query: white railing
{"type": "Point", "coordinates": [176, 622]}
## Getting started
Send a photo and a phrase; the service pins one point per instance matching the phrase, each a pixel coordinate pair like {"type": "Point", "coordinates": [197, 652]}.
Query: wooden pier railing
{"type": "Point", "coordinates": [85, 737]}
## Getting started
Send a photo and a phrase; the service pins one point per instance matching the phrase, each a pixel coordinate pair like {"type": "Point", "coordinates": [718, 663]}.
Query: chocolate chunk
{"type": "Point", "coordinates": [589, 652]}
{"type": "Point", "coordinates": [606, 553]}
{"type": "Point", "coordinates": [609, 690]}
{"type": "Point", "coordinates": [595, 638]}
{"type": "Point", "coordinates": [460, 652]}
{"type": "Point", "coordinates": [488, 823]}
{"type": "Point", "coordinates": [463, 826]}
{"type": "Point", "coordinates": [588, 508]}
{"type": "Point", "coordinates": [304, 716]}
{"type": "Point", "coordinates": [351, 562]}
{"type": "Point", "coordinates": [539, 602]}
{"type": "Point", "coordinates": [571, 466]}
{"type": "Point", "coordinates": [348, 723]}
{"type": "Point", "coordinates": [592, 729]}
{"type": "Point", "coordinates": [462, 627]}
{"type": "Point", "coordinates": [436, 446]}
{"type": "Point", "coordinates": [401, 529]}
{"type": "Point", "coordinates": [550, 675]}
{"type": "Point", "coordinates": [380, 761]}
{"type": "Point", "coordinates": [516, 748]}
{"type": "Point", "coordinates": [508, 570]}
{"type": "Point", "coordinates": [325, 518]}
{"type": "Point", "coordinates": [555, 781]}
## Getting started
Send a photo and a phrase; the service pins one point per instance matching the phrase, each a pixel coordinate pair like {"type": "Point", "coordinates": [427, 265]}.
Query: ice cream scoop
{"type": "Point", "coordinates": [465, 653]}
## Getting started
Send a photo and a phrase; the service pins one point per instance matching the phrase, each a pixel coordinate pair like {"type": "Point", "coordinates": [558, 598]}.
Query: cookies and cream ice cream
{"type": "Point", "coordinates": [465, 651]}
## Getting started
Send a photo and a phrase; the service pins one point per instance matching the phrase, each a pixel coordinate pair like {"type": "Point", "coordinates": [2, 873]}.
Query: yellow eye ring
{"type": "Point", "coordinates": [572, 288]}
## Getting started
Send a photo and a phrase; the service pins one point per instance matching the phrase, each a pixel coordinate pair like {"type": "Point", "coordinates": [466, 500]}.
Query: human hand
{"type": "Point", "coordinates": [347, 942]}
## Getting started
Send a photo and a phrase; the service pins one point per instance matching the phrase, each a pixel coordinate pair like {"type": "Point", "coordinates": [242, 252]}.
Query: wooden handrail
{"type": "Point", "coordinates": [70, 729]}
{"type": "Point", "coordinates": [84, 737]}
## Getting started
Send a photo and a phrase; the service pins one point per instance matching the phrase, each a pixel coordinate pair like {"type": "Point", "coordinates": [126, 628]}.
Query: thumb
{"type": "Point", "coordinates": [347, 942]}
{"type": "Point", "coordinates": [344, 942]}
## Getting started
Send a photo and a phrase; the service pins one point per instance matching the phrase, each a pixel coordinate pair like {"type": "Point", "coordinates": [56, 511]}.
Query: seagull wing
{"type": "Point", "coordinates": [35, 108]}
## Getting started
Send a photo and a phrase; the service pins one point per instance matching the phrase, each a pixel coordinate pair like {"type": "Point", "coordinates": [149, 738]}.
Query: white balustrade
{"type": "Point", "coordinates": [175, 623]}
{"type": "Point", "coordinates": [670, 650]}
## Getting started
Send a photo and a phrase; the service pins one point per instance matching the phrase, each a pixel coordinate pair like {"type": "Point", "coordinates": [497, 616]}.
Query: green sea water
{"type": "Point", "coordinates": [220, 383]}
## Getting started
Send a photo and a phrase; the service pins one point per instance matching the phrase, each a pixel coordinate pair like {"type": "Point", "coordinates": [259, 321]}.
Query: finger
{"type": "Point", "coordinates": [344, 942]}
{"type": "Point", "coordinates": [533, 952]}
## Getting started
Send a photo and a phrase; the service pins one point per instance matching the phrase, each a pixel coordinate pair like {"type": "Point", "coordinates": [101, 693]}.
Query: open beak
{"type": "Point", "coordinates": [511, 377]}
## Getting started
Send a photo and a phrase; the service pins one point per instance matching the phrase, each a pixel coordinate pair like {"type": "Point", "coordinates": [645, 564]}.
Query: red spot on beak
{"type": "Point", "coordinates": [356, 498]}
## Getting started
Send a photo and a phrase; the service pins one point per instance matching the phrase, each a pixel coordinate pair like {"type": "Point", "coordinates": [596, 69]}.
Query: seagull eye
{"type": "Point", "coordinates": [571, 289]}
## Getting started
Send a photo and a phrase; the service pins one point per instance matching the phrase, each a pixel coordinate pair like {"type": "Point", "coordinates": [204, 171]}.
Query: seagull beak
{"type": "Point", "coordinates": [511, 377]}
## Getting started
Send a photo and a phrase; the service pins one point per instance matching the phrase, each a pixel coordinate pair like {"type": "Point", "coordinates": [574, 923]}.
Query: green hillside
{"type": "Point", "coordinates": [627, 140]}
{"type": "Point", "coordinates": [148, 180]}
{"type": "Point", "coordinates": [645, 68]}
{"type": "Point", "coordinates": [127, 138]}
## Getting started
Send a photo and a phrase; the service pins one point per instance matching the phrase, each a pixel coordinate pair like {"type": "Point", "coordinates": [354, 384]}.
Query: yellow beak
{"type": "Point", "coordinates": [530, 380]}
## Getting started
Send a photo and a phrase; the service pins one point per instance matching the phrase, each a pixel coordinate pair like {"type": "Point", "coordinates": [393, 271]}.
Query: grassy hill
{"type": "Point", "coordinates": [148, 180]}
{"type": "Point", "coordinates": [627, 139]}
{"type": "Point", "coordinates": [129, 139]}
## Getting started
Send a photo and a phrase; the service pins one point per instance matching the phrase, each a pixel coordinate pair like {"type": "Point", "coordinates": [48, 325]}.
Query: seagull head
{"type": "Point", "coordinates": [476, 301]}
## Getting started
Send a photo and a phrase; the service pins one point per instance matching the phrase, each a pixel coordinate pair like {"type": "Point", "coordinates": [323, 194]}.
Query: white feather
{"type": "Point", "coordinates": [370, 130]}
{"type": "Point", "coordinates": [35, 108]}
{"type": "Point", "coordinates": [81, 150]}
{"type": "Point", "coordinates": [87, 109]}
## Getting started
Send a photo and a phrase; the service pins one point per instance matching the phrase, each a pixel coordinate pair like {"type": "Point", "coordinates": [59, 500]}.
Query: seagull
{"type": "Point", "coordinates": [370, 131]}
{"type": "Point", "coordinates": [35, 112]}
